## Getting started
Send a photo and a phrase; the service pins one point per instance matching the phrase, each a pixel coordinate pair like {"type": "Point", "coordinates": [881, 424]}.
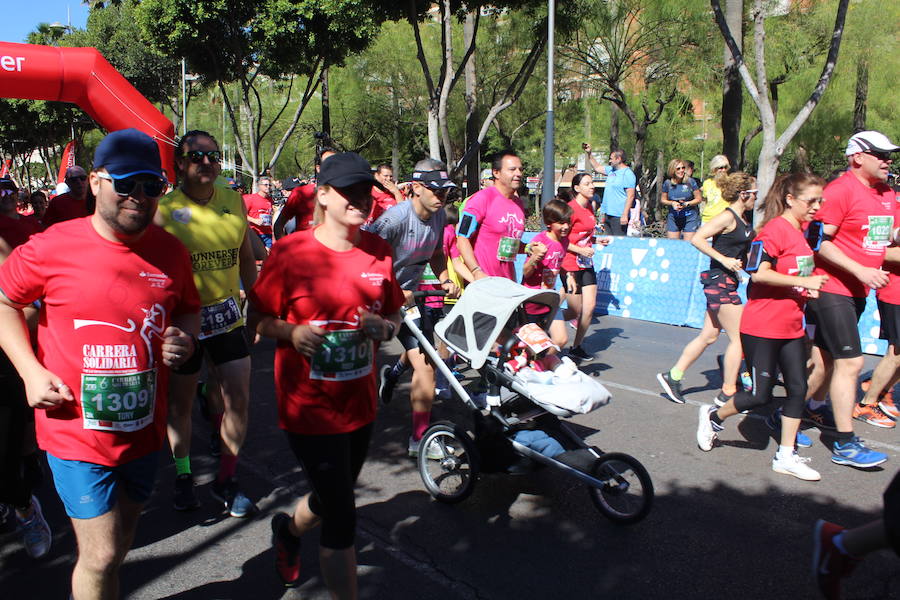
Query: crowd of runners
{"type": "Point", "coordinates": [142, 298]}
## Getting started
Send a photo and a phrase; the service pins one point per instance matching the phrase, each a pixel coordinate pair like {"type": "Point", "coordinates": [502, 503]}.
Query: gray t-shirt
{"type": "Point", "coordinates": [414, 241]}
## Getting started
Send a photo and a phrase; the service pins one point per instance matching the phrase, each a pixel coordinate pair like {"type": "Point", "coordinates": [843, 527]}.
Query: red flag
{"type": "Point", "coordinates": [6, 165]}
{"type": "Point", "coordinates": [68, 160]}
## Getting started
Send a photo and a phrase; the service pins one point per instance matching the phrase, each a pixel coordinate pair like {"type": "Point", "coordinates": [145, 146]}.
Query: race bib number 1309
{"type": "Point", "coordinates": [118, 402]}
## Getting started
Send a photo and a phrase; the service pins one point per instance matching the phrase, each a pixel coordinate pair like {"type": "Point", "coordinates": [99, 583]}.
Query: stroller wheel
{"type": "Point", "coordinates": [626, 495]}
{"type": "Point", "coordinates": [448, 462]}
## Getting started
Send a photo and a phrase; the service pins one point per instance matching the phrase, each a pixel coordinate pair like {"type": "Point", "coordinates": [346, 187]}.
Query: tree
{"type": "Point", "coordinates": [259, 45]}
{"type": "Point", "coordinates": [732, 92]}
{"type": "Point", "coordinates": [774, 145]}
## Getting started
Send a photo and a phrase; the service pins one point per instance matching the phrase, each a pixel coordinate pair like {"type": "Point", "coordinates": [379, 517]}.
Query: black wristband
{"type": "Point", "coordinates": [193, 364]}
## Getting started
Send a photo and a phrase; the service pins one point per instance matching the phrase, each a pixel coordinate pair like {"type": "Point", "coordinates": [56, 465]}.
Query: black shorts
{"type": "Point", "coordinates": [720, 288]}
{"type": "Point", "coordinates": [892, 513]}
{"type": "Point", "coordinates": [837, 318]}
{"type": "Point", "coordinates": [584, 277]}
{"type": "Point", "coordinates": [889, 314]}
{"type": "Point", "coordinates": [226, 347]}
{"type": "Point", "coordinates": [425, 322]}
{"type": "Point", "coordinates": [14, 416]}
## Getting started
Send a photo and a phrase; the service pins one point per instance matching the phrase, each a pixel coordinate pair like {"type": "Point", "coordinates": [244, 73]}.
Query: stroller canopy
{"type": "Point", "coordinates": [475, 323]}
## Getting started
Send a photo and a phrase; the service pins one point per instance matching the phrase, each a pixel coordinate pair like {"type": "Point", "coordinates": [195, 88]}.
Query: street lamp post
{"type": "Point", "coordinates": [549, 163]}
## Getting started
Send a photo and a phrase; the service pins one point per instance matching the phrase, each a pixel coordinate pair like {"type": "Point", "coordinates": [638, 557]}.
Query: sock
{"type": "Point", "coordinates": [842, 437]}
{"type": "Point", "coordinates": [784, 451]}
{"type": "Point", "coordinates": [729, 389]}
{"type": "Point", "coordinates": [838, 541]}
{"type": "Point", "coordinates": [182, 465]}
{"type": "Point", "coordinates": [814, 404]}
{"type": "Point", "coordinates": [676, 374]}
{"type": "Point", "coordinates": [227, 466]}
{"type": "Point", "coordinates": [398, 369]}
{"type": "Point", "coordinates": [420, 421]}
{"type": "Point", "coordinates": [716, 421]}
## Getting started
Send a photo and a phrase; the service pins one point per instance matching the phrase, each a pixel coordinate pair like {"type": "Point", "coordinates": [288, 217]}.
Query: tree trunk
{"type": "Point", "coordinates": [434, 134]}
{"type": "Point", "coordinates": [766, 171]}
{"type": "Point", "coordinates": [732, 91]}
{"type": "Point", "coordinates": [862, 95]}
{"type": "Point", "coordinates": [395, 142]}
{"type": "Point", "coordinates": [613, 127]}
{"type": "Point", "coordinates": [326, 103]}
{"type": "Point", "coordinates": [657, 193]}
{"type": "Point", "coordinates": [473, 168]}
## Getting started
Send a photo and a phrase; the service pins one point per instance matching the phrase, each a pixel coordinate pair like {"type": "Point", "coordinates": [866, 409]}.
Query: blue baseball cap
{"type": "Point", "coordinates": [128, 152]}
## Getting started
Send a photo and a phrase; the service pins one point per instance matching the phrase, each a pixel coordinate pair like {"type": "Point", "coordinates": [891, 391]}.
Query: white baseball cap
{"type": "Point", "coordinates": [865, 141]}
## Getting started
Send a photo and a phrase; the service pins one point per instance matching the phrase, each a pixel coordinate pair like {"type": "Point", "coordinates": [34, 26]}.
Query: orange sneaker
{"type": "Point", "coordinates": [885, 400]}
{"type": "Point", "coordinates": [871, 414]}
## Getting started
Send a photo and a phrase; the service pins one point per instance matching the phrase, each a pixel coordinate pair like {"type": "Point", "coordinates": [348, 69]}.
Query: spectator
{"type": "Point", "coordinates": [682, 196]}
{"type": "Point", "coordinates": [712, 188]}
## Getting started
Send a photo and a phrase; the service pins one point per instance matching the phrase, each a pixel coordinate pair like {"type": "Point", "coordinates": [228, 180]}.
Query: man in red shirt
{"type": "Point", "coordinates": [385, 196]}
{"type": "Point", "coordinates": [74, 203]}
{"type": "Point", "coordinates": [107, 338]}
{"type": "Point", "coordinates": [259, 210]}
{"type": "Point", "coordinates": [858, 226]}
{"type": "Point", "coordinates": [301, 204]}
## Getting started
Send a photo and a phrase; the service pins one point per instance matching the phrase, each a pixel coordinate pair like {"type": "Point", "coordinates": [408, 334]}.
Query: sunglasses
{"type": "Point", "coordinates": [196, 156]}
{"type": "Point", "coordinates": [152, 188]}
{"type": "Point", "coordinates": [882, 156]}
{"type": "Point", "coordinates": [748, 192]}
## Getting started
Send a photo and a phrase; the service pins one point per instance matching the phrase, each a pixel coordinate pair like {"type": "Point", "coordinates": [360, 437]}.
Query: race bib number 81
{"type": "Point", "coordinates": [118, 402]}
{"type": "Point", "coordinates": [345, 355]}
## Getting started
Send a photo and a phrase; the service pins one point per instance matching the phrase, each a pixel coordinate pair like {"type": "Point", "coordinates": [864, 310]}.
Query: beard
{"type": "Point", "coordinates": [123, 222]}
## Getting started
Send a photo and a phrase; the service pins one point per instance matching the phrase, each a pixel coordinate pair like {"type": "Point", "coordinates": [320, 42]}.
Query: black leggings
{"type": "Point", "coordinates": [332, 463]}
{"type": "Point", "coordinates": [15, 484]}
{"type": "Point", "coordinates": [765, 357]}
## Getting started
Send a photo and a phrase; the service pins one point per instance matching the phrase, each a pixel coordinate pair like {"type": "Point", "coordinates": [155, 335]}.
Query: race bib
{"type": "Point", "coordinates": [219, 318]}
{"type": "Point", "coordinates": [266, 219]}
{"type": "Point", "coordinates": [879, 232]}
{"type": "Point", "coordinates": [584, 262]}
{"type": "Point", "coordinates": [805, 265]}
{"type": "Point", "coordinates": [428, 276]}
{"type": "Point", "coordinates": [345, 355]}
{"type": "Point", "coordinates": [507, 249]}
{"type": "Point", "coordinates": [118, 402]}
{"type": "Point", "coordinates": [549, 278]}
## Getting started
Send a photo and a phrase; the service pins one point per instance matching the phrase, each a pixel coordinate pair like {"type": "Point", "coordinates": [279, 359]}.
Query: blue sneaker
{"type": "Point", "coordinates": [855, 454]}
{"type": "Point", "coordinates": [773, 422]}
{"type": "Point", "coordinates": [821, 417]}
{"type": "Point", "coordinates": [236, 503]}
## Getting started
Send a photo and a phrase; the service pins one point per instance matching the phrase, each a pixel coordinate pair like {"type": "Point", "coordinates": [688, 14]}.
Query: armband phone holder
{"type": "Point", "coordinates": [815, 235]}
{"type": "Point", "coordinates": [755, 256]}
{"type": "Point", "coordinates": [467, 225]}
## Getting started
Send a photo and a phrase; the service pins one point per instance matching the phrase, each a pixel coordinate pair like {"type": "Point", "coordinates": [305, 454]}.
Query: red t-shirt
{"type": "Point", "coordinates": [259, 208]}
{"type": "Point", "coordinates": [64, 208]}
{"type": "Point", "coordinates": [301, 204]}
{"type": "Point", "coordinates": [581, 234]}
{"type": "Point", "coordinates": [304, 282]}
{"type": "Point", "coordinates": [891, 292]}
{"type": "Point", "coordinates": [381, 201]}
{"type": "Point", "coordinates": [864, 217]}
{"type": "Point", "coordinates": [104, 308]}
{"type": "Point", "coordinates": [774, 311]}
{"type": "Point", "coordinates": [16, 232]}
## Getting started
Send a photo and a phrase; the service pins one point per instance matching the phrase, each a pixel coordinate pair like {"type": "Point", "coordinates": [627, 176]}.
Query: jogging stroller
{"type": "Point", "coordinates": [519, 423]}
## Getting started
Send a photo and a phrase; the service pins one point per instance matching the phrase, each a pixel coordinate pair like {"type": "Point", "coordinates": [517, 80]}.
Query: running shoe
{"type": "Point", "coordinates": [185, 497]}
{"type": "Point", "coordinates": [855, 454]}
{"type": "Point", "coordinates": [795, 465]}
{"type": "Point", "coordinates": [706, 437]}
{"type": "Point", "coordinates": [830, 565]}
{"type": "Point", "coordinates": [821, 417]}
{"type": "Point", "coordinates": [35, 532]}
{"type": "Point", "coordinates": [885, 400]}
{"type": "Point", "coordinates": [287, 551]}
{"type": "Point", "coordinates": [386, 387]}
{"type": "Point", "coordinates": [434, 449]}
{"type": "Point", "coordinates": [873, 415]}
{"type": "Point", "coordinates": [773, 422]}
{"type": "Point", "coordinates": [579, 353]}
{"type": "Point", "coordinates": [236, 503]}
{"type": "Point", "coordinates": [671, 387]}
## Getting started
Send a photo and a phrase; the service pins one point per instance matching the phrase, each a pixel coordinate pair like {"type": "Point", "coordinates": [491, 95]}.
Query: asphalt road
{"type": "Point", "coordinates": [723, 523]}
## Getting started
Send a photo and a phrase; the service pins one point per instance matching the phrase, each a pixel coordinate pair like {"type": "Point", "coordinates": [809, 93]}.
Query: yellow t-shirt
{"type": "Point", "coordinates": [213, 234]}
{"type": "Point", "coordinates": [714, 201]}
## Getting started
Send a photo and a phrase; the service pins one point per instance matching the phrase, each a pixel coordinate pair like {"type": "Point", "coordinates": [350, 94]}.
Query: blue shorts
{"type": "Point", "coordinates": [89, 490]}
{"type": "Point", "coordinates": [266, 239]}
{"type": "Point", "coordinates": [685, 220]}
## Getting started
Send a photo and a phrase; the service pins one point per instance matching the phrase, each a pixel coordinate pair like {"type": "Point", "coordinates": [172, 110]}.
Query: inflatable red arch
{"type": "Point", "coordinates": [83, 77]}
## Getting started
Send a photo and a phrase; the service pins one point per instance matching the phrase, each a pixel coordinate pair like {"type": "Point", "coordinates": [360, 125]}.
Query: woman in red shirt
{"type": "Point", "coordinates": [328, 295]}
{"type": "Point", "coordinates": [781, 263]}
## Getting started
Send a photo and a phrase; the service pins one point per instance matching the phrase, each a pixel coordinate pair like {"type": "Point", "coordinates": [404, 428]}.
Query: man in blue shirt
{"type": "Point", "coordinates": [618, 196]}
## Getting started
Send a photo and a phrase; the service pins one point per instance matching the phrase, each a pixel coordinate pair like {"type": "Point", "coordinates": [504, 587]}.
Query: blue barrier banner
{"type": "Point", "coordinates": [655, 279]}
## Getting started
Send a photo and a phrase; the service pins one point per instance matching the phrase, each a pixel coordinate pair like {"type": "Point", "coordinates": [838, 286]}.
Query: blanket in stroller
{"type": "Point", "coordinates": [566, 388]}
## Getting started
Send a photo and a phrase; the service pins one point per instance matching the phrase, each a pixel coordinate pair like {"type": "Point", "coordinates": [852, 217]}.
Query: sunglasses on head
{"type": "Point", "coordinates": [152, 188]}
{"type": "Point", "coordinates": [196, 156]}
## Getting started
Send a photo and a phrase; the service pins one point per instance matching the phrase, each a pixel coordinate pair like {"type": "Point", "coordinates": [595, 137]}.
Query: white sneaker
{"type": "Point", "coordinates": [795, 465]}
{"type": "Point", "coordinates": [35, 531]}
{"type": "Point", "coordinates": [434, 449]}
{"type": "Point", "coordinates": [705, 434]}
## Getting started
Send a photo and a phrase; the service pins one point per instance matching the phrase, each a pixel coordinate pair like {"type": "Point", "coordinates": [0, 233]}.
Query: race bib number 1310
{"type": "Point", "coordinates": [345, 355]}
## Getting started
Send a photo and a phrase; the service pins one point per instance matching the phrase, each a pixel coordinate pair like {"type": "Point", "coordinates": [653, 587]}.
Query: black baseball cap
{"type": "Point", "coordinates": [128, 152]}
{"type": "Point", "coordinates": [434, 180]}
{"type": "Point", "coordinates": [345, 169]}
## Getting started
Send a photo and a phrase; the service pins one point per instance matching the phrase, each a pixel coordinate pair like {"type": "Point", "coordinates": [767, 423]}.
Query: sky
{"type": "Point", "coordinates": [20, 18]}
